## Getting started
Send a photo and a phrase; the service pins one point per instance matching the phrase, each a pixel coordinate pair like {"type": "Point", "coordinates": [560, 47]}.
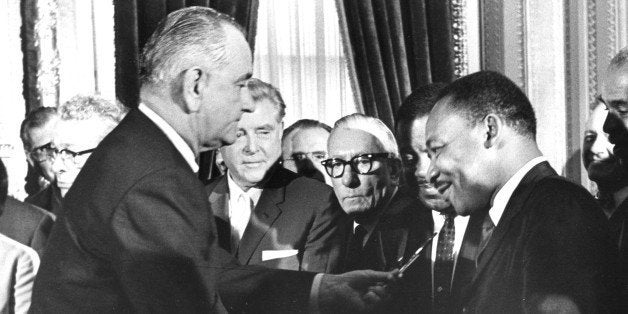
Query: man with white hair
{"type": "Point", "coordinates": [386, 227]}
{"type": "Point", "coordinates": [83, 123]}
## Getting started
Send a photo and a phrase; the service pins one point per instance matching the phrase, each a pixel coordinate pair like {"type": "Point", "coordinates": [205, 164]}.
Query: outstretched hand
{"type": "Point", "coordinates": [357, 291]}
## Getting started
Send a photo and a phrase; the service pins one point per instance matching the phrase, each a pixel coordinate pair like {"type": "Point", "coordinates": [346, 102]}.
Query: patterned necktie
{"type": "Point", "coordinates": [444, 264]}
{"type": "Point", "coordinates": [487, 231]}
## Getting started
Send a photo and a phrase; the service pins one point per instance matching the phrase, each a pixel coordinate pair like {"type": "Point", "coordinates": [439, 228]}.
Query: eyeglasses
{"type": "Point", "coordinates": [41, 153]}
{"type": "Point", "coordinates": [361, 164]}
{"type": "Point", "coordinates": [68, 155]}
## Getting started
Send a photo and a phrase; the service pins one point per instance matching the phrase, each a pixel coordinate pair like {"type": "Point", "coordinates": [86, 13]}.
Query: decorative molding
{"type": "Point", "coordinates": [592, 52]}
{"type": "Point", "coordinates": [459, 31]}
{"type": "Point", "coordinates": [46, 43]}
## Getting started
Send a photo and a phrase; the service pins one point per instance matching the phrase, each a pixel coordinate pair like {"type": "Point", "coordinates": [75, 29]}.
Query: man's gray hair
{"type": "Point", "coordinates": [373, 126]}
{"type": "Point", "coordinates": [183, 36]}
{"type": "Point", "coordinates": [620, 59]}
{"type": "Point", "coordinates": [88, 107]}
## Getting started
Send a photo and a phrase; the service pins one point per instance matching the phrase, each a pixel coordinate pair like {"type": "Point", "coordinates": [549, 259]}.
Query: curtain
{"type": "Point", "coordinates": [134, 22]}
{"type": "Point", "coordinates": [397, 46]}
{"type": "Point", "coordinates": [299, 50]}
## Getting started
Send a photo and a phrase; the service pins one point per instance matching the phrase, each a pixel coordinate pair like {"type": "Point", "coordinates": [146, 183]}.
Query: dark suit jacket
{"type": "Point", "coordinates": [401, 229]}
{"type": "Point", "coordinates": [293, 213]}
{"type": "Point", "coordinates": [552, 240]}
{"type": "Point", "coordinates": [48, 199]}
{"type": "Point", "coordinates": [137, 235]}
{"type": "Point", "coordinates": [25, 223]}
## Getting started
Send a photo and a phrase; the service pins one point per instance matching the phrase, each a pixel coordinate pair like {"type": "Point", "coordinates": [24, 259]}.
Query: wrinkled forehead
{"type": "Point", "coordinates": [309, 139]}
{"type": "Point", "coordinates": [346, 143]}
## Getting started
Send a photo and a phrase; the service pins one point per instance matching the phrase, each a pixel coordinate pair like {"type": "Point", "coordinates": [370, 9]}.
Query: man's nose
{"type": "Point", "coordinates": [58, 165]}
{"type": "Point", "coordinates": [350, 178]}
{"type": "Point", "coordinates": [251, 144]}
{"type": "Point", "coordinates": [422, 169]}
{"type": "Point", "coordinates": [432, 173]}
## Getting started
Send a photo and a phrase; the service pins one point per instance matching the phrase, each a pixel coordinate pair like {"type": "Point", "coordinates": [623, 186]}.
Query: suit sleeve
{"type": "Point", "coordinates": [164, 244]}
{"type": "Point", "coordinates": [570, 256]}
{"type": "Point", "coordinates": [323, 248]}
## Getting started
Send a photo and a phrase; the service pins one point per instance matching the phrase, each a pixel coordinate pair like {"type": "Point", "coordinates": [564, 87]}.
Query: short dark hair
{"type": "Point", "coordinates": [305, 124]}
{"type": "Point", "coordinates": [419, 103]}
{"type": "Point", "coordinates": [485, 92]}
{"type": "Point", "coordinates": [4, 184]}
{"type": "Point", "coordinates": [35, 119]}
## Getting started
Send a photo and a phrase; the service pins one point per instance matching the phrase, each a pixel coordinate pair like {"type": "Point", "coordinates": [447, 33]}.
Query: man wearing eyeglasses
{"type": "Point", "coordinates": [36, 133]}
{"type": "Point", "coordinates": [83, 122]}
{"type": "Point", "coordinates": [386, 225]}
{"type": "Point", "coordinates": [265, 214]}
{"type": "Point", "coordinates": [304, 146]}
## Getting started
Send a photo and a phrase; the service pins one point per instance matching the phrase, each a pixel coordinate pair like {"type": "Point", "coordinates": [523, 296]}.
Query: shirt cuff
{"type": "Point", "coordinates": [316, 284]}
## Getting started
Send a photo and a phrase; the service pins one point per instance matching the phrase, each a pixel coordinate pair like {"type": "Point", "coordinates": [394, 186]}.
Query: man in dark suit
{"type": "Point", "coordinates": [544, 246]}
{"type": "Point", "coordinates": [387, 226]}
{"type": "Point", "coordinates": [137, 233]}
{"type": "Point", "coordinates": [448, 263]}
{"type": "Point", "coordinates": [265, 214]}
{"type": "Point", "coordinates": [24, 223]}
{"type": "Point", "coordinates": [615, 96]}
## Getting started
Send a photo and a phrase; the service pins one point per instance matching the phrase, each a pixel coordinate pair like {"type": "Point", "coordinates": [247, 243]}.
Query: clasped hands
{"type": "Point", "coordinates": [356, 291]}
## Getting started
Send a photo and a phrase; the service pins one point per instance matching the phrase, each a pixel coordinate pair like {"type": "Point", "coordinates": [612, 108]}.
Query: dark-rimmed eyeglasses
{"type": "Point", "coordinates": [360, 164]}
{"type": "Point", "coordinates": [301, 157]}
{"type": "Point", "coordinates": [68, 155]}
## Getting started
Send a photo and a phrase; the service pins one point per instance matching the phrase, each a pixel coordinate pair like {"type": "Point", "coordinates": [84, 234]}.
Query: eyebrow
{"type": "Point", "coordinates": [265, 127]}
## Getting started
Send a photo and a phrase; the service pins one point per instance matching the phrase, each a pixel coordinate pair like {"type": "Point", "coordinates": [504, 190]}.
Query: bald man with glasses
{"type": "Point", "coordinates": [386, 225]}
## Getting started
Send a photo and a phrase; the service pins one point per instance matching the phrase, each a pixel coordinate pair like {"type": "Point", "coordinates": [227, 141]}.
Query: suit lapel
{"type": "Point", "coordinates": [266, 212]}
{"type": "Point", "coordinates": [515, 205]}
{"type": "Point", "coordinates": [219, 203]}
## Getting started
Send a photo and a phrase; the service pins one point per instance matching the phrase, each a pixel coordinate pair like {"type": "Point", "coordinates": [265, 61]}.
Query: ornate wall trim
{"type": "Point", "coordinates": [460, 33]}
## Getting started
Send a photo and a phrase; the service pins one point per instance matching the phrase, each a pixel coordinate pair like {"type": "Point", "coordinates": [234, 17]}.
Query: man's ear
{"type": "Point", "coordinates": [493, 126]}
{"type": "Point", "coordinates": [194, 81]}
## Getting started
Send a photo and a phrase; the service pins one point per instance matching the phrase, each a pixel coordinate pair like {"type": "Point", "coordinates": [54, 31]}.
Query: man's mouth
{"type": "Point", "coordinates": [442, 187]}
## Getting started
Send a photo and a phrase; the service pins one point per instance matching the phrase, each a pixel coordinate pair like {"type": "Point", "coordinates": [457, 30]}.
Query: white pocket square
{"type": "Point", "coordinates": [273, 254]}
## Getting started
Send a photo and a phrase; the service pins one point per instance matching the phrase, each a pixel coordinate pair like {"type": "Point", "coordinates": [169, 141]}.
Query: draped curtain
{"type": "Point", "coordinates": [134, 22]}
{"type": "Point", "coordinates": [398, 45]}
{"type": "Point", "coordinates": [299, 49]}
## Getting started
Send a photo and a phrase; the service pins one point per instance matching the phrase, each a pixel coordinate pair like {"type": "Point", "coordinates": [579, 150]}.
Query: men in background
{"type": "Point", "coordinates": [544, 244]}
{"type": "Point", "coordinates": [265, 214]}
{"type": "Point", "coordinates": [449, 261]}
{"type": "Point", "coordinates": [602, 166]}
{"type": "Point", "coordinates": [304, 146]}
{"type": "Point", "coordinates": [83, 123]}
{"type": "Point", "coordinates": [615, 96]}
{"type": "Point", "coordinates": [386, 227]}
{"type": "Point", "coordinates": [23, 222]}
{"type": "Point", "coordinates": [18, 262]}
{"type": "Point", "coordinates": [36, 132]}
{"type": "Point", "coordinates": [138, 234]}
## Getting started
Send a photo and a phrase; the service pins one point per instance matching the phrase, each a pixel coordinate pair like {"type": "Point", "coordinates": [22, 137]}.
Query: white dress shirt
{"type": "Point", "coordinates": [498, 205]}
{"type": "Point", "coordinates": [18, 267]}
{"type": "Point", "coordinates": [241, 204]}
{"type": "Point", "coordinates": [460, 225]}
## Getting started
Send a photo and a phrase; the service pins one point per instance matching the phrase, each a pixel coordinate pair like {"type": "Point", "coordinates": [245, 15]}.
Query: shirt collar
{"type": "Point", "coordinates": [172, 135]}
{"type": "Point", "coordinates": [235, 190]}
{"type": "Point", "coordinates": [503, 195]}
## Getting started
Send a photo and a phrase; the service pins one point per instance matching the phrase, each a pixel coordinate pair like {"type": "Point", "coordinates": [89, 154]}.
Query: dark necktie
{"type": "Point", "coordinates": [354, 256]}
{"type": "Point", "coordinates": [444, 264]}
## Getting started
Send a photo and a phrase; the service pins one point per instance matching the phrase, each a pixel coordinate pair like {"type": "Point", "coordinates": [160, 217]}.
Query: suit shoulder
{"type": "Point", "coordinates": [25, 211]}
